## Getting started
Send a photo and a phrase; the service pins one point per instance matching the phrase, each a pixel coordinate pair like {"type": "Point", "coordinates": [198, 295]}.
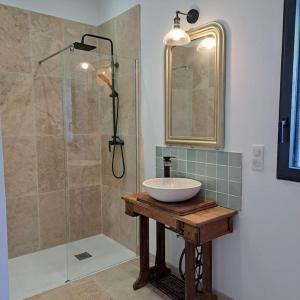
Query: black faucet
{"type": "Point", "coordinates": [167, 165]}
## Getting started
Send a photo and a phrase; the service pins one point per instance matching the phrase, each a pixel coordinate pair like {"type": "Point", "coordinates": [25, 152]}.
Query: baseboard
{"type": "Point", "coordinates": [222, 296]}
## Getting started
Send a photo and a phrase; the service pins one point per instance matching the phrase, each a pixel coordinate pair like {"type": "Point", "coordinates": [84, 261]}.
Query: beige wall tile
{"type": "Point", "coordinates": [203, 70]}
{"type": "Point", "coordinates": [46, 25]}
{"type": "Point", "coordinates": [128, 229]}
{"type": "Point", "coordinates": [16, 106]}
{"type": "Point", "coordinates": [51, 163]}
{"type": "Point", "coordinates": [106, 112]}
{"type": "Point", "coordinates": [48, 94]}
{"type": "Point", "coordinates": [128, 182]}
{"type": "Point", "coordinates": [203, 113]}
{"type": "Point", "coordinates": [111, 207]}
{"type": "Point", "coordinates": [22, 222]}
{"type": "Point", "coordinates": [182, 77]}
{"type": "Point", "coordinates": [83, 173]}
{"type": "Point", "coordinates": [84, 147]}
{"type": "Point", "coordinates": [181, 112]}
{"type": "Point", "coordinates": [15, 59]}
{"type": "Point", "coordinates": [73, 32]}
{"type": "Point", "coordinates": [20, 166]}
{"type": "Point", "coordinates": [14, 40]}
{"type": "Point", "coordinates": [53, 219]}
{"type": "Point", "coordinates": [85, 105]}
{"type": "Point", "coordinates": [85, 212]}
{"type": "Point", "coordinates": [46, 38]}
{"type": "Point", "coordinates": [14, 23]}
{"type": "Point", "coordinates": [41, 47]}
{"type": "Point", "coordinates": [106, 163]}
{"type": "Point", "coordinates": [108, 30]}
{"type": "Point", "coordinates": [128, 45]}
{"type": "Point", "coordinates": [127, 92]}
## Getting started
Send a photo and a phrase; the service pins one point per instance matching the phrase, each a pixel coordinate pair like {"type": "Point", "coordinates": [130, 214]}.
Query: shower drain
{"type": "Point", "coordinates": [83, 255]}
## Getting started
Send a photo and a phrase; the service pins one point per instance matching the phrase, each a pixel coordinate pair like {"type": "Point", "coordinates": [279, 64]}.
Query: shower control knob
{"type": "Point", "coordinates": [116, 140]}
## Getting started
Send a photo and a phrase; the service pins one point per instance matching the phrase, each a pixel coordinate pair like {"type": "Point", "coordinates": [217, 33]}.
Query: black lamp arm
{"type": "Point", "coordinates": [192, 16]}
{"type": "Point", "coordinates": [178, 12]}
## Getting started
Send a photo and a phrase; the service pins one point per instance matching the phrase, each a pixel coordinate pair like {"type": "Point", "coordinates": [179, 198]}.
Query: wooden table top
{"type": "Point", "coordinates": [196, 219]}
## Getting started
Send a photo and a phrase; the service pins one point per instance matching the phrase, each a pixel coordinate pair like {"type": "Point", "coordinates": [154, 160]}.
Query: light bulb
{"type": "Point", "coordinates": [208, 43]}
{"type": "Point", "coordinates": [176, 37]}
{"type": "Point", "coordinates": [84, 65]}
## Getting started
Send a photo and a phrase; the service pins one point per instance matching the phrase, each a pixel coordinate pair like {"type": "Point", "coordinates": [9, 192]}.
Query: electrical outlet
{"type": "Point", "coordinates": [257, 158]}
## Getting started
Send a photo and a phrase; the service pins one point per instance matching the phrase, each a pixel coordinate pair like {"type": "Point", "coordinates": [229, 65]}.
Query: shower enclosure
{"type": "Point", "coordinates": [86, 145]}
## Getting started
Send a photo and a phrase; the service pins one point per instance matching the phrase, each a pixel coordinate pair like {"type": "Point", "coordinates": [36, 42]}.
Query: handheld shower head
{"type": "Point", "coordinates": [103, 78]}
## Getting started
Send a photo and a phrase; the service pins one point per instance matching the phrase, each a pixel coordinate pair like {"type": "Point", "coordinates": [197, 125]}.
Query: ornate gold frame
{"type": "Point", "coordinates": [216, 141]}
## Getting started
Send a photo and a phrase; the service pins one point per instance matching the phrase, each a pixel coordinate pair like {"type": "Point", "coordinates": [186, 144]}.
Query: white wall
{"type": "Point", "coordinates": [3, 234]}
{"type": "Point", "coordinates": [85, 11]}
{"type": "Point", "coordinates": [261, 259]}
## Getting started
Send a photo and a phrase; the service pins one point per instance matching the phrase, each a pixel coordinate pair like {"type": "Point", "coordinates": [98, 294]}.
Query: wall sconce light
{"type": "Point", "coordinates": [177, 36]}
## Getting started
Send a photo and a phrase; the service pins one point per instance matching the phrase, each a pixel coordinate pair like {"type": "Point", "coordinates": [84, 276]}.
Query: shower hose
{"type": "Point", "coordinates": [120, 143]}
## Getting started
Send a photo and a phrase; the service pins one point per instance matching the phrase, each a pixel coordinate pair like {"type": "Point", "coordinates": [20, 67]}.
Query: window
{"type": "Point", "coordinates": [288, 164]}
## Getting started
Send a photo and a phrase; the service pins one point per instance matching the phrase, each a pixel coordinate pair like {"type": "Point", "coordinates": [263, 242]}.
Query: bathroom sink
{"type": "Point", "coordinates": [172, 189]}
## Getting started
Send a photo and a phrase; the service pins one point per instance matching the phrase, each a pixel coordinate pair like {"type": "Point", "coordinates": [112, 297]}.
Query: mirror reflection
{"type": "Point", "coordinates": [193, 88]}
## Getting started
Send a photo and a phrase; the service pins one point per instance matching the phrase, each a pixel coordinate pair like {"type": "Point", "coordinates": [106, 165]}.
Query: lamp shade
{"type": "Point", "coordinates": [176, 37]}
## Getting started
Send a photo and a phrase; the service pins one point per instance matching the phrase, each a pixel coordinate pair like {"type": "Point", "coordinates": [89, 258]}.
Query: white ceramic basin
{"type": "Point", "coordinates": [172, 189]}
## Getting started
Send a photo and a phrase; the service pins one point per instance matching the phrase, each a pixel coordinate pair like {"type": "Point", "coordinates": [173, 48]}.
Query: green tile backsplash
{"type": "Point", "coordinates": [220, 172]}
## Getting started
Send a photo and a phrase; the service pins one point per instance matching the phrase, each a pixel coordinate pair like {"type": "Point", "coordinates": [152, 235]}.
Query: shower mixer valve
{"type": "Point", "coordinates": [116, 140]}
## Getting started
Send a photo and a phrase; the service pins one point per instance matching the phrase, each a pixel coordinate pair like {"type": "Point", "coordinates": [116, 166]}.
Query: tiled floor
{"type": "Point", "coordinates": [112, 284]}
{"type": "Point", "coordinates": [47, 269]}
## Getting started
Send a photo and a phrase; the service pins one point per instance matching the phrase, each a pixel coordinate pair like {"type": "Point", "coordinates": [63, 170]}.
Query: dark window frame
{"type": "Point", "coordinates": [284, 171]}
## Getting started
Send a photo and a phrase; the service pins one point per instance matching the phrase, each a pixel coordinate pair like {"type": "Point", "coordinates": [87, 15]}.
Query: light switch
{"type": "Point", "coordinates": [257, 157]}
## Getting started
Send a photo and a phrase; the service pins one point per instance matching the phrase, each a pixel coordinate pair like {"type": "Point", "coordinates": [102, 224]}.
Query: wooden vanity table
{"type": "Point", "coordinates": [197, 228]}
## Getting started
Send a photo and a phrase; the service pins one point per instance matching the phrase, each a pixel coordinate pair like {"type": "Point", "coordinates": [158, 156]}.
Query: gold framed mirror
{"type": "Point", "coordinates": [194, 89]}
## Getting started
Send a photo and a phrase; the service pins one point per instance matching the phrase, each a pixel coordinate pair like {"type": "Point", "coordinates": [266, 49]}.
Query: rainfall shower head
{"type": "Point", "coordinates": [83, 46]}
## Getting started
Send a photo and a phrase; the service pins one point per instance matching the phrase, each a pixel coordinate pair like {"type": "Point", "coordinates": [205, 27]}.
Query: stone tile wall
{"type": "Point", "coordinates": [35, 154]}
{"type": "Point", "coordinates": [125, 33]}
{"type": "Point", "coordinates": [45, 176]}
